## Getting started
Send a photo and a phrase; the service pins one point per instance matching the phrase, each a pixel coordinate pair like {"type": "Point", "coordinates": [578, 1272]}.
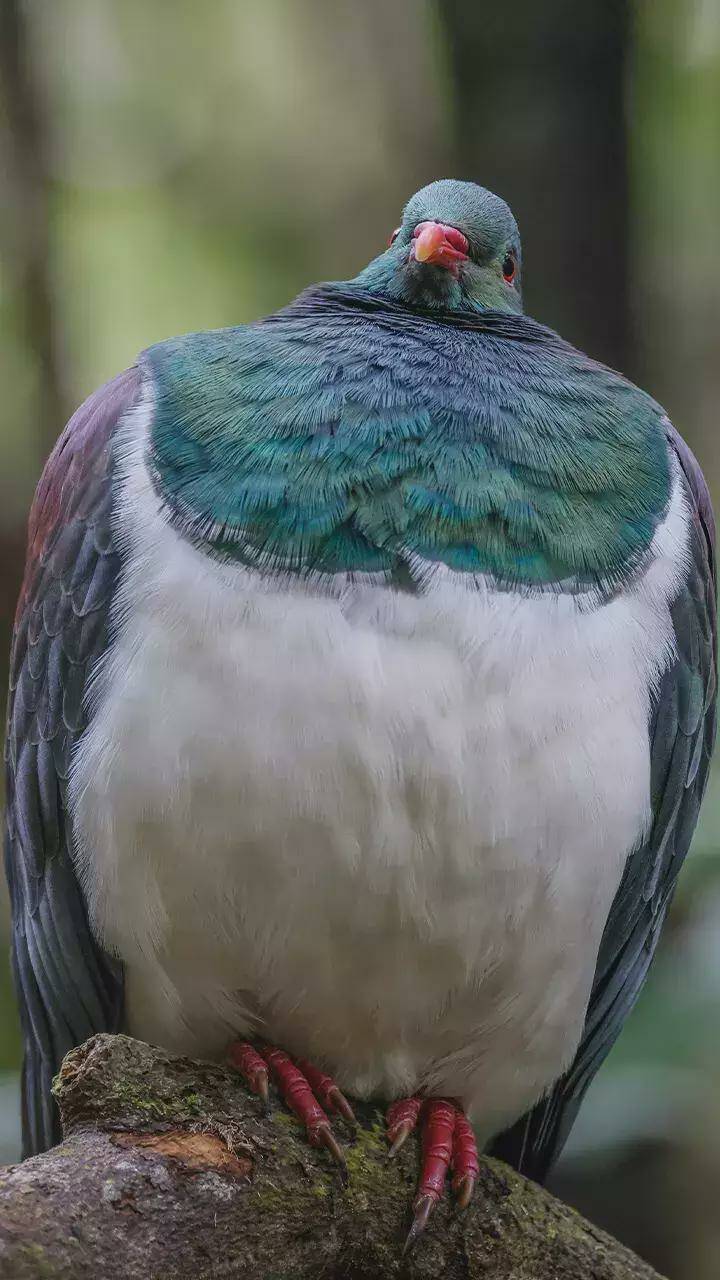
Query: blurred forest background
{"type": "Point", "coordinates": [174, 165]}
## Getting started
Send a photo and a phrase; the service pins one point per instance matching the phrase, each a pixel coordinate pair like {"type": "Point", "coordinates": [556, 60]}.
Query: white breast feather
{"type": "Point", "coordinates": [384, 829]}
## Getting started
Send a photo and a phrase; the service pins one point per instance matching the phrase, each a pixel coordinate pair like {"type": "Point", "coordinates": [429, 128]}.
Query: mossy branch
{"type": "Point", "coordinates": [169, 1169]}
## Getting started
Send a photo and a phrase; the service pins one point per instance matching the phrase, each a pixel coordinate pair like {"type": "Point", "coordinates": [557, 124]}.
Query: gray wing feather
{"type": "Point", "coordinates": [67, 988]}
{"type": "Point", "coordinates": [682, 734]}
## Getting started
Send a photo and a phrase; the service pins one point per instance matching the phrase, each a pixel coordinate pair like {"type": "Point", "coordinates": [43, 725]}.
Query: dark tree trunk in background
{"type": "Point", "coordinates": [25, 215]}
{"type": "Point", "coordinates": [540, 102]}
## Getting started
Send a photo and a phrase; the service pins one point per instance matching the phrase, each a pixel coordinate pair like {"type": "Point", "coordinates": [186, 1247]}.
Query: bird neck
{"type": "Point", "coordinates": [436, 289]}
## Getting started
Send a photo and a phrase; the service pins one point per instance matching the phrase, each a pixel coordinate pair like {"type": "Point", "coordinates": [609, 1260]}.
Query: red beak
{"type": "Point", "coordinates": [439, 245]}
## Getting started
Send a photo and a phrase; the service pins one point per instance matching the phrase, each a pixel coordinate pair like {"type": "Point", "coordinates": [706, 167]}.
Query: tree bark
{"type": "Point", "coordinates": [168, 1169]}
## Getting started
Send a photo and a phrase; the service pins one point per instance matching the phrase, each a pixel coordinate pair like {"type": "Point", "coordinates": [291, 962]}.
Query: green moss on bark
{"type": "Point", "coordinates": [117, 1199]}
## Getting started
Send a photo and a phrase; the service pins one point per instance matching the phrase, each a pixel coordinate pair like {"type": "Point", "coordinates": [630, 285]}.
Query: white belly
{"type": "Point", "coordinates": [383, 830]}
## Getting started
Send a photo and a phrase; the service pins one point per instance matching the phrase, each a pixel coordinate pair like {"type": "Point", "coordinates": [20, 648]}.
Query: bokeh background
{"type": "Point", "coordinates": [174, 165]}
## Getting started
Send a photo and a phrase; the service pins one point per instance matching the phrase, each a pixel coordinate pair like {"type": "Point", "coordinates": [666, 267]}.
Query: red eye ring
{"type": "Point", "coordinates": [394, 236]}
{"type": "Point", "coordinates": [509, 268]}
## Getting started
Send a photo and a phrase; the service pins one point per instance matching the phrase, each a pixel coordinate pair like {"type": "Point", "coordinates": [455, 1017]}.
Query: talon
{"type": "Point", "coordinates": [339, 1103]}
{"type": "Point", "coordinates": [463, 1191]}
{"type": "Point", "coordinates": [422, 1209]}
{"type": "Point", "coordinates": [263, 1090]}
{"type": "Point", "coordinates": [401, 1119]}
{"type": "Point", "coordinates": [326, 1138]}
{"type": "Point", "coordinates": [403, 1132]}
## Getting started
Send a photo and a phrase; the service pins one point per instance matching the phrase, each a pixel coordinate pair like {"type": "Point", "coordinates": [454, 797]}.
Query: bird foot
{"type": "Point", "coordinates": [308, 1092]}
{"type": "Point", "coordinates": [447, 1142]}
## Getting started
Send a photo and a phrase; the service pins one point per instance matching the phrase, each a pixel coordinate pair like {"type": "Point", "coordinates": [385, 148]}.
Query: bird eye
{"type": "Point", "coordinates": [394, 236]}
{"type": "Point", "coordinates": [509, 268]}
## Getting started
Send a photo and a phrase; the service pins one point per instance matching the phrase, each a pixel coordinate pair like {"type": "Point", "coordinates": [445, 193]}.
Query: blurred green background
{"type": "Point", "coordinates": [174, 165]}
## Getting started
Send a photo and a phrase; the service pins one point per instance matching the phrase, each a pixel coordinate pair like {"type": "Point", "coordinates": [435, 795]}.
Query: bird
{"type": "Point", "coordinates": [361, 704]}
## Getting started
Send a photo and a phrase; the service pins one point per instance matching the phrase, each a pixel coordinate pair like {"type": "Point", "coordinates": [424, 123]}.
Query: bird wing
{"type": "Point", "coordinates": [682, 732]}
{"type": "Point", "coordinates": [67, 988]}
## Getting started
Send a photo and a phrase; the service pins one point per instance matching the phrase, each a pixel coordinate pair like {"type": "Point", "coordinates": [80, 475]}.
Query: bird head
{"type": "Point", "coordinates": [457, 247]}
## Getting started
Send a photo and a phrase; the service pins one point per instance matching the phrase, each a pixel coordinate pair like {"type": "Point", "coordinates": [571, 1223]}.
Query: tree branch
{"type": "Point", "coordinates": [168, 1170]}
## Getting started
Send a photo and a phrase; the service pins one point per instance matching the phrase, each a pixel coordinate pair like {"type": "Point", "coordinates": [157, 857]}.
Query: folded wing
{"type": "Point", "coordinates": [67, 987]}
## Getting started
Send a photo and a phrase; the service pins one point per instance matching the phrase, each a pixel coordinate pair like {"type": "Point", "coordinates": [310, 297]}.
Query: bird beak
{"type": "Point", "coordinates": [438, 245]}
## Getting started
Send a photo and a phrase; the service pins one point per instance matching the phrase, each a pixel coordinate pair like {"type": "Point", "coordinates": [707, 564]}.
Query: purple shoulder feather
{"type": "Point", "coordinates": [80, 452]}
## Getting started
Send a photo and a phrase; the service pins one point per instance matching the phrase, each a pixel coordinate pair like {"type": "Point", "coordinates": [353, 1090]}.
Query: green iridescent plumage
{"type": "Point", "coordinates": [358, 431]}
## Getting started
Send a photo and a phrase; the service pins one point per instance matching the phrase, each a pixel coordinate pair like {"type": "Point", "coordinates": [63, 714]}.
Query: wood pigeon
{"type": "Point", "coordinates": [362, 702]}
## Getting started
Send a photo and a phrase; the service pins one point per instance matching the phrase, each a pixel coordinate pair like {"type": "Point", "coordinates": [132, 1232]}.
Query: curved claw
{"type": "Point", "coordinates": [262, 1089]}
{"type": "Point", "coordinates": [327, 1092]}
{"type": "Point", "coordinates": [339, 1103]}
{"type": "Point", "coordinates": [401, 1119]}
{"type": "Point", "coordinates": [324, 1137]}
{"type": "Point", "coordinates": [402, 1132]}
{"type": "Point", "coordinates": [463, 1191]}
{"type": "Point", "coordinates": [422, 1209]}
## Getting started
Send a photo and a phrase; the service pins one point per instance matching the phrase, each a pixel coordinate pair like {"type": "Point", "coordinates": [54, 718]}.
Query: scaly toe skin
{"type": "Point", "coordinates": [401, 1119]}
{"type": "Point", "coordinates": [438, 1128]}
{"type": "Point", "coordinates": [298, 1095]}
{"type": "Point", "coordinates": [465, 1164]}
{"type": "Point", "coordinates": [447, 1143]}
{"type": "Point", "coordinates": [297, 1086]}
{"type": "Point", "coordinates": [245, 1059]}
{"type": "Point", "coordinates": [327, 1092]}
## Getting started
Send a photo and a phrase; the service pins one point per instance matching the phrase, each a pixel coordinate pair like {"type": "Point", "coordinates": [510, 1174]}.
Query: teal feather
{"type": "Point", "coordinates": [349, 433]}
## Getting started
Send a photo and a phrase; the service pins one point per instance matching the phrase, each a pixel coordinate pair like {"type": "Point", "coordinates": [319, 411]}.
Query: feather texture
{"type": "Point", "coordinates": [682, 736]}
{"type": "Point", "coordinates": [349, 434]}
{"type": "Point", "coordinates": [68, 989]}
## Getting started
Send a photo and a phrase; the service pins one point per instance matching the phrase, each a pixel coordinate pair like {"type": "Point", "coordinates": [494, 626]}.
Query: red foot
{"type": "Point", "coordinates": [248, 1062]}
{"type": "Point", "coordinates": [447, 1142]}
{"type": "Point", "coordinates": [401, 1119]}
{"type": "Point", "coordinates": [300, 1086]}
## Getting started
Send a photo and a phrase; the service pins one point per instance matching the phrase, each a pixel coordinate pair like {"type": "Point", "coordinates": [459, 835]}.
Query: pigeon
{"type": "Point", "coordinates": [361, 706]}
